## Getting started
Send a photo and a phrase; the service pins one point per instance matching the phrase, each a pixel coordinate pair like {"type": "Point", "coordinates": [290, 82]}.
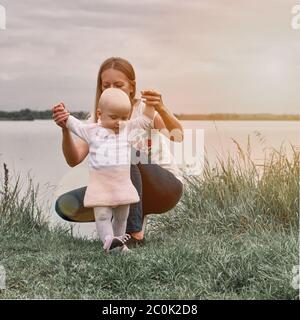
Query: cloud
{"type": "Point", "coordinates": [204, 56]}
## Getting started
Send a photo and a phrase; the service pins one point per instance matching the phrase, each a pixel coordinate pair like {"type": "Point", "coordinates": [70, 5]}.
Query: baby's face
{"type": "Point", "coordinates": [114, 106]}
{"type": "Point", "coordinates": [110, 117]}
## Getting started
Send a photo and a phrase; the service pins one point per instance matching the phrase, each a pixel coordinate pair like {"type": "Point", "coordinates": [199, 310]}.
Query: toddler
{"type": "Point", "coordinates": [110, 190]}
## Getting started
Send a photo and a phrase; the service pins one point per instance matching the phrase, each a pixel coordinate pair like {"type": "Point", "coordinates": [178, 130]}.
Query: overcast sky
{"type": "Point", "coordinates": [202, 55]}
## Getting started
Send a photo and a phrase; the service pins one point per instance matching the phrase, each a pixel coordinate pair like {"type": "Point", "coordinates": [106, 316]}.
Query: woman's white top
{"type": "Point", "coordinates": [160, 144]}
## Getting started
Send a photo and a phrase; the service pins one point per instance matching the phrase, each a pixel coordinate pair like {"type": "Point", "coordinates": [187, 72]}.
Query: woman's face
{"type": "Point", "coordinates": [112, 78]}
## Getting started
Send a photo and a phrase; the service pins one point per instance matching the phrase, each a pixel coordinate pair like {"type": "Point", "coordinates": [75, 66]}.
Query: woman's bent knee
{"type": "Point", "coordinates": [59, 208]}
{"type": "Point", "coordinates": [68, 204]}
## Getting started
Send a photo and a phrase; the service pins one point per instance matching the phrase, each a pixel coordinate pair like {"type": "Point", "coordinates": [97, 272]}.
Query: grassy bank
{"type": "Point", "coordinates": [234, 235]}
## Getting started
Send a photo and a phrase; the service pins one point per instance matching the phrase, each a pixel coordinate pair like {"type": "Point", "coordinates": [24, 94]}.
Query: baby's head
{"type": "Point", "coordinates": [114, 106]}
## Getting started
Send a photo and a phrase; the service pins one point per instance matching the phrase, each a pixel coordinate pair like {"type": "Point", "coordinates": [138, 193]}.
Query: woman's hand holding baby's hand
{"type": "Point", "coordinates": [152, 99]}
{"type": "Point", "coordinates": [60, 115]}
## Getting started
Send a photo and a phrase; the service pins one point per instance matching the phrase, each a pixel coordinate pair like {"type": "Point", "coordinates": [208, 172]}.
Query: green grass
{"type": "Point", "coordinates": [234, 235]}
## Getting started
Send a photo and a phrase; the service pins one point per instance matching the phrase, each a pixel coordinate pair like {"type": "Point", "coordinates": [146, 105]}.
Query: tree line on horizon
{"type": "Point", "coordinates": [28, 114]}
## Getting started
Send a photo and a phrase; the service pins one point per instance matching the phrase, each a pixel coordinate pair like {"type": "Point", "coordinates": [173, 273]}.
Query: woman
{"type": "Point", "coordinates": [159, 183]}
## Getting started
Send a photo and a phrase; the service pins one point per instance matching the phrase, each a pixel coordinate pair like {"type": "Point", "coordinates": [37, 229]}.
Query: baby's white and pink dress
{"type": "Point", "coordinates": [109, 188]}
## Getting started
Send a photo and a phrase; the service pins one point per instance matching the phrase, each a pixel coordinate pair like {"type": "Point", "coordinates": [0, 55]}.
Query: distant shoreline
{"type": "Point", "coordinates": [30, 115]}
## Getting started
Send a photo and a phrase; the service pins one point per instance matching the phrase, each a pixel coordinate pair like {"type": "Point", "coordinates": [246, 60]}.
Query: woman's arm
{"type": "Point", "coordinates": [165, 118]}
{"type": "Point", "coordinates": [74, 151]}
{"type": "Point", "coordinates": [169, 125]}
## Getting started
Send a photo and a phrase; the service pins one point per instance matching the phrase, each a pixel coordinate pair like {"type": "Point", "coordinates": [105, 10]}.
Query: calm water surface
{"type": "Point", "coordinates": [35, 147]}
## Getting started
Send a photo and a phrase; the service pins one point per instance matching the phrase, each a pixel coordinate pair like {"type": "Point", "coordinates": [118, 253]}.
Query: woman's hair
{"type": "Point", "coordinates": [119, 64]}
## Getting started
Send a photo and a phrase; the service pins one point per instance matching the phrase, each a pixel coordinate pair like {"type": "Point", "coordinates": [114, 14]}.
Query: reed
{"type": "Point", "coordinates": [19, 208]}
{"type": "Point", "coordinates": [239, 195]}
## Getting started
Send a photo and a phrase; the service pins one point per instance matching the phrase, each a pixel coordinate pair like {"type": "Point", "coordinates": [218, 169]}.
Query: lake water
{"type": "Point", "coordinates": [35, 147]}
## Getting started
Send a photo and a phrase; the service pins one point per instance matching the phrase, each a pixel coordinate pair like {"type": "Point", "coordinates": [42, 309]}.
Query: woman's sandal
{"type": "Point", "coordinates": [133, 242]}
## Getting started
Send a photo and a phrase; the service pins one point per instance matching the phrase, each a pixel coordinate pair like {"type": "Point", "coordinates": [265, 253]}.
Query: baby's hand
{"type": "Point", "coordinates": [60, 115]}
{"type": "Point", "coordinates": [153, 99]}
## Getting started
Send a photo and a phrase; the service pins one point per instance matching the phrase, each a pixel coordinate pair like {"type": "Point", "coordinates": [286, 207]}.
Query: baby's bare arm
{"type": "Point", "coordinates": [149, 112]}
